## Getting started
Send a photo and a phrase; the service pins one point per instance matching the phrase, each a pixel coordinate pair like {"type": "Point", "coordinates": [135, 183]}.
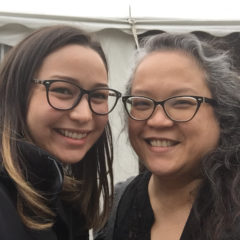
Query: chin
{"type": "Point", "coordinates": [71, 160]}
{"type": "Point", "coordinates": [161, 170]}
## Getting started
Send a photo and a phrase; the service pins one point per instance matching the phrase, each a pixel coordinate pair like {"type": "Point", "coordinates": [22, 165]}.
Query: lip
{"type": "Point", "coordinates": [73, 135]}
{"type": "Point", "coordinates": [161, 144]}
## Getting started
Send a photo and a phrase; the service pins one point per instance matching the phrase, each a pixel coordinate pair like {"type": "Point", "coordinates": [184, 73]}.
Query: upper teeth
{"type": "Point", "coordinates": [161, 143]}
{"type": "Point", "coordinates": [73, 134]}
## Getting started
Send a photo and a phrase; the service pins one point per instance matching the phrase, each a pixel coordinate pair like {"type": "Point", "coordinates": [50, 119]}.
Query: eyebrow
{"type": "Point", "coordinates": [100, 85]}
{"type": "Point", "coordinates": [75, 81]}
{"type": "Point", "coordinates": [174, 92]}
{"type": "Point", "coordinates": [184, 91]}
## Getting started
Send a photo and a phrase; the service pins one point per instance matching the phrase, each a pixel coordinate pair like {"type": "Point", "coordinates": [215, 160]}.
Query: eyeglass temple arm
{"type": "Point", "coordinates": [210, 101]}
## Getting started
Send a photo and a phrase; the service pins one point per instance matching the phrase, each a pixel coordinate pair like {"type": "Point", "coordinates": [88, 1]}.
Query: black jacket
{"type": "Point", "coordinates": [132, 215]}
{"type": "Point", "coordinates": [45, 174]}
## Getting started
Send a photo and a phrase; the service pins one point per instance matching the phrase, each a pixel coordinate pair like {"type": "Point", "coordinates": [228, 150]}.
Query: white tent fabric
{"type": "Point", "coordinates": [13, 26]}
{"type": "Point", "coordinates": [115, 35]}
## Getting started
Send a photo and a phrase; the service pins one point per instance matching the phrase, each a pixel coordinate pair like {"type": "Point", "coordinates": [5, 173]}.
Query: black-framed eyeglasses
{"type": "Point", "coordinates": [65, 95]}
{"type": "Point", "coordinates": [177, 108]}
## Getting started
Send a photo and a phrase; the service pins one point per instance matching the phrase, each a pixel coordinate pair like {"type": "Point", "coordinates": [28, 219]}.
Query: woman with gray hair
{"type": "Point", "coordinates": [183, 106]}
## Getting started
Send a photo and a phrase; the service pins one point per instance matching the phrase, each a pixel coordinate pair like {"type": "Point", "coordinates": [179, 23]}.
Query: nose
{"type": "Point", "coordinates": [159, 118]}
{"type": "Point", "coordinates": [82, 111]}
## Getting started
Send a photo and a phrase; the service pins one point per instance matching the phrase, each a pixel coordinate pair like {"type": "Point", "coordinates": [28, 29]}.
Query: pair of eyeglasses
{"type": "Point", "coordinates": [65, 95]}
{"type": "Point", "coordinates": [177, 108]}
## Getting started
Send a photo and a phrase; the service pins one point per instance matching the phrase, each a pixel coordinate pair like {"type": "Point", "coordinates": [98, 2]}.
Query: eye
{"type": "Point", "coordinates": [140, 104]}
{"type": "Point", "coordinates": [182, 102]}
{"type": "Point", "coordinates": [61, 90]}
{"type": "Point", "coordinates": [99, 95]}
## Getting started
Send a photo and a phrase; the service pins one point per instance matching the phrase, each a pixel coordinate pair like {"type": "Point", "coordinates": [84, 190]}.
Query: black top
{"type": "Point", "coordinates": [135, 216]}
{"type": "Point", "coordinates": [45, 173]}
{"type": "Point", "coordinates": [132, 216]}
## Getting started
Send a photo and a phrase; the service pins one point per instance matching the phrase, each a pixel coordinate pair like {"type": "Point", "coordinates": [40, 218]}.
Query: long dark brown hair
{"type": "Point", "coordinates": [85, 183]}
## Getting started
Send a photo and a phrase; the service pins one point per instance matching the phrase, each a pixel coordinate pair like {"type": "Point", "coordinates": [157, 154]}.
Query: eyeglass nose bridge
{"type": "Point", "coordinates": [79, 98]}
{"type": "Point", "coordinates": [162, 103]}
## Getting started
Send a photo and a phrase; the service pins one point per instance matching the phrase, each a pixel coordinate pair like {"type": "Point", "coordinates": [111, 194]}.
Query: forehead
{"type": "Point", "coordinates": [74, 51]}
{"type": "Point", "coordinates": [168, 70]}
{"type": "Point", "coordinates": [74, 62]}
{"type": "Point", "coordinates": [172, 60]}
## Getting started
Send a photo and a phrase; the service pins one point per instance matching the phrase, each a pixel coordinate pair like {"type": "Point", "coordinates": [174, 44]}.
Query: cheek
{"type": "Point", "coordinates": [212, 134]}
{"type": "Point", "coordinates": [101, 122]}
{"type": "Point", "coordinates": [210, 128]}
{"type": "Point", "coordinates": [131, 130]}
{"type": "Point", "coordinates": [203, 134]}
{"type": "Point", "coordinates": [40, 116]}
{"type": "Point", "coordinates": [38, 106]}
{"type": "Point", "coordinates": [33, 117]}
{"type": "Point", "coordinates": [37, 122]}
{"type": "Point", "coordinates": [134, 131]}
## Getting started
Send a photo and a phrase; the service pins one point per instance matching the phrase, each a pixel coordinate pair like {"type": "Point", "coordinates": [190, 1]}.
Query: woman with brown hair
{"type": "Point", "coordinates": [56, 144]}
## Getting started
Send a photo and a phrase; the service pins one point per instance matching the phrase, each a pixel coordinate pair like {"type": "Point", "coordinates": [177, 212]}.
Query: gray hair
{"type": "Point", "coordinates": [221, 79]}
{"type": "Point", "coordinates": [221, 168]}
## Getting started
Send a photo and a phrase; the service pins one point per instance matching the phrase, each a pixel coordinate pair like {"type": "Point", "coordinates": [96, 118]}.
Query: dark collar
{"type": "Point", "coordinates": [42, 170]}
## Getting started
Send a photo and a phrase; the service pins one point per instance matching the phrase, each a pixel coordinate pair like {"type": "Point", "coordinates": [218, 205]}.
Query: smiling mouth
{"type": "Point", "coordinates": [71, 134]}
{"type": "Point", "coordinates": [161, 143]}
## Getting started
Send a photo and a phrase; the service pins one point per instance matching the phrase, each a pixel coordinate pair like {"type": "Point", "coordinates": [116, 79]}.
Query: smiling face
{"type": "Point", "coordinates": [67, 134]}
{"type": "Point", "coordinates": [168, 148]}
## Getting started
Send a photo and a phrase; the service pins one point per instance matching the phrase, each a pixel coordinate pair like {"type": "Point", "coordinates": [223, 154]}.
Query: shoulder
{"type": "Point", "coordinates": [107, 232]}
{"type": "Point", "coordinates": [127, 189]}
{"type": "Point", "coordinates": [120, 187]}
{"type": "Point", "coordinates": [133, 199]}
{"type": "Point", "coordinates": [135, 185]}
{"type": "Point", "coordinates": [134, 191]}
{"type": "Point", "coordinates": [125, 194]}
{"type": "Point", "coordinates": [7, 193]}
{"type": "Point", "coordinates": [11, 226]}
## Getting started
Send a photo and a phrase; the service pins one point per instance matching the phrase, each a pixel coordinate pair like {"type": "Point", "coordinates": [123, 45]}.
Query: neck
{"type": "Point", "coordinates": [169, 194]}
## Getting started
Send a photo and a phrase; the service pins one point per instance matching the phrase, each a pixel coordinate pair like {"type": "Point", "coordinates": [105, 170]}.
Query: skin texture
{"type": "Point", "coordinates": [84, 67]}
{"type": "Point", "coordinates": [161, 75]}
